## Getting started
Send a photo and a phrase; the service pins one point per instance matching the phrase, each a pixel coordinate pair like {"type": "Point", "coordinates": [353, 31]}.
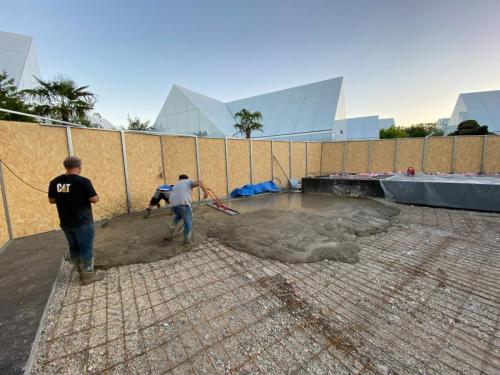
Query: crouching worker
{"type": "Point", "coordinates": [180, 204]}
{"type": "Point", "coordinates": [73, 195]}
{"type": "Point", "coordinates": [162, 192]}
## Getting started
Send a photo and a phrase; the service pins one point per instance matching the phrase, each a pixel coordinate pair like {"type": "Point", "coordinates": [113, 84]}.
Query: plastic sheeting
{"type": "Point", "coordinates": [456, 191]}
{"type": "Point", "coordinates": [249, 190]}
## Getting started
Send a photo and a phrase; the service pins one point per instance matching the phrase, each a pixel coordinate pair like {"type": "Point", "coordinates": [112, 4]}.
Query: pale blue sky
{"type": "Point", "coordinates": [399, 58]}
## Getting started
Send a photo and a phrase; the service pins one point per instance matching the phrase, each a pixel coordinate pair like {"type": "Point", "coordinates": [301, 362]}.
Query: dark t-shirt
{"type": "Point", "coordinates": [72, 193]}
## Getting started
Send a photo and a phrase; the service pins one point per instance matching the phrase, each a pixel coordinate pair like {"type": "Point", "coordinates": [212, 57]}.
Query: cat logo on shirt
{"type": "Point", "coordinates": [63, 188]}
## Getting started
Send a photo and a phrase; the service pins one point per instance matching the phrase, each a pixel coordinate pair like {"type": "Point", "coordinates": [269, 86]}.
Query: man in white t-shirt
{"type": "Point", "coordinates": [180, 204]}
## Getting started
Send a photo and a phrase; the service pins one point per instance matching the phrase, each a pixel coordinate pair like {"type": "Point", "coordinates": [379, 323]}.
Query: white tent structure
{"type": "Point", "coordinates": [18, 59]}
{"type": "Point", "coordinates": [312, 112]}
{"type": "Point", "coordinates": [299, 109]}
{"type": "Point", "coordinates": [484, 107]}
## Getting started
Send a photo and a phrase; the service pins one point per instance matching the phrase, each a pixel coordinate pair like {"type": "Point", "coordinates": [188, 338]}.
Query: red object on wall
{"type": "Point", "coordinates": [410, 171]}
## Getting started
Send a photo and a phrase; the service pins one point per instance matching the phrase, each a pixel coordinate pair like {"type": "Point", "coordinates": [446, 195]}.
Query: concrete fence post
{"type": "Point", "coordinates": [424, 153]}
{"type": "Point", "coordinates": [272, 160]}
{"type": "Point", "coordinates": [5, 203]}
{"type": "Point", "coordinates": [226, 155]}
{"type": "Point", "coordinates": [320, 158]}
{"type": "Point", "coordinates": [453, 155]}
{"type": "Point", "coordinates": [370, 156]}
{"type": "Point", "coordinates": [251, 161]}
{"type": "Point", "coordinates": [162, 155]}
{"type": "Point", "coordinates": [396, 156]}
{"type": "Point", "coordinates": [125, 171]}
{"type": "Point", "coordinates": [344, 157]}
{"type": "Point", "coordinates": [69, 141]}
{"type": "Point", "coordinates": [307, 144]}
{"type": "Point", "coordinates": [483, 155]}
{"type": "Point", "coordinates": [197, 155]}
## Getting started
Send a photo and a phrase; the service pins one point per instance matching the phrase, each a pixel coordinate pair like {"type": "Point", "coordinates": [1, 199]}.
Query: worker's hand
{"type": "Point", "coordinates": [205, 194]}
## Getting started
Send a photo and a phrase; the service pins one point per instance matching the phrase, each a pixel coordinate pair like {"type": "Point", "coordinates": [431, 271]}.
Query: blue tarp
{"type": "Point", "coordinates": [249, 190]}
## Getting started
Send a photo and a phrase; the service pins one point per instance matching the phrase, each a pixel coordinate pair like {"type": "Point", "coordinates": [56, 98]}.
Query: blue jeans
{"type": "Point", "coordinates": [183, 213]}
{"type": "Point", "coordinates": [81, 241]}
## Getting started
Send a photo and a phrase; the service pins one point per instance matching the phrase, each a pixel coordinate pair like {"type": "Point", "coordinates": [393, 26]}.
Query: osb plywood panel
{"type": "Point", "coordinates": [261, 159]}
{"type": "Point", "coordinates": [313, 158]}
{"type": "Point", "coordinates": [332, 155]}
{"type": "Point", "coordinates": [298, 160]}
{"type": "Point", "coordinates": [213, 165]}
{"type": "Point", "coordinates": [4, 234]}
{"type": "Point", "coordinates": [144, 167]}
{"type": "Point", "coordinates": [492, 157]}
{"type": "Point", "coordinates": [239, 162]}
{"type": "Point", "coordinates": [409, 154]}
{"type": "Point", "coordinates": [357, 157]}
{"type": "Point", "coordinates": [101, 152]}
{"type": "Point", "coordinates": [383, 153]}
{"type": "Point", "coordinates": [468, 154]}
{"type": "Point", "coordinates": [35, 153]}
{"type": "Point", "coordinates": [438, 154]}
{"type": "Point", "coordinates": [179, 155]}
{"type": "Point", "coordinates": [281, 151]}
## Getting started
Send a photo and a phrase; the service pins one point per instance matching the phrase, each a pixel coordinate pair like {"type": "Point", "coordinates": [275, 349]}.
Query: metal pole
{"type": "Point", "coordinates": [424, 153]}
{"type": "Point", "coordinates": [69, 141]}
{"type": "Point", "coordinates": [307, 143]}
{"type": "Point", "coordinates": [251, 161]}
{"type": "Point", "coordinates": [272, 161]}
{"type": "Point", "coordinates": [453, 156]}
{"type": "Point", "coordinates": [370, 156]}
{"type": "Point", "coordinates": [163, 172]}
{"type": "Point", "coordinates": [344, 157]}
{"type": "Point", "coordinates": [125, 171]}
{"type": "Point", "coordinates": [5, 203]}
{"type": "Point", "coordinates": [227, 166]}
{"type": "Point", "coordinates": [396, 156]}
{"type": "Point", "coordinates": [483, 156]}
{"type": "Point", "coordinates": [197, 147]}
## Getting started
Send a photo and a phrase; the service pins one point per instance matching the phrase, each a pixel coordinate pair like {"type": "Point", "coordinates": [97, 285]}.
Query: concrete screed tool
{"type": "Point", "coordinates": [218, 205]}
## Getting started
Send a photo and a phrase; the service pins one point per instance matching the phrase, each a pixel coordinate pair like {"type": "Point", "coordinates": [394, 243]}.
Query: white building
{"type": "Point", "coordinates": [484, 107]}
{"type": "Point", "coordinates": [315, 111]}
{"type": "Point", "coordinates": [18, 59]}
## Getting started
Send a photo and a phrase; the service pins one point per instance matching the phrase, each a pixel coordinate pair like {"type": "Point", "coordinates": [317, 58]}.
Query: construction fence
{"type": "Point", "coordinates": [126, 167]}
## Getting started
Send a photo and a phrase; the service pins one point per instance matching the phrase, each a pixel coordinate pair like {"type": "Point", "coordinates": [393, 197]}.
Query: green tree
{"type": "Point", "coordinates": [393, 132]}
{"type": "Point", "coordinates": [136, 124]}
{"type": "Point", "coordinates": [424, 130]}
{"type": "Point", "coordinates": [470, 127]}
{"type": "Point", "coordinates": [62, 99]}
{"type": "Point", "coordinates": [247, 122]}
{"type": "Point", "coordinates": [11, 99]}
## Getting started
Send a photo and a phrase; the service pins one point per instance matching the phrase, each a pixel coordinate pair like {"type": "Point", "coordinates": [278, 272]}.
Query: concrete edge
{"type": "Point", "coordinates": [5, 246]}
{"type": "Point", "coordinates": [29, 363]}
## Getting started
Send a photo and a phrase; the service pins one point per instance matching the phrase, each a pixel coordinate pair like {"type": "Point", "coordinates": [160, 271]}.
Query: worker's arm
{"type": "Point", "coordinates": [202, 187]}
{"type": "Point", "coordinates": [94, 199]}
{"type": "Point", "coordinates": [52, 200]}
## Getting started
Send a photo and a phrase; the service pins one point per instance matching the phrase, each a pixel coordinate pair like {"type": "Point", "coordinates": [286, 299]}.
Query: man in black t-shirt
{"type": "Point", "coordinates": [73, 195]}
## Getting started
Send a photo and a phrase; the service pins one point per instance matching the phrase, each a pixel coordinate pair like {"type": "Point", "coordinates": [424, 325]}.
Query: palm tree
{"type": "Point", "coordinates": [62, 99]}
{"type": "Point", "coordinates": [247, 122]}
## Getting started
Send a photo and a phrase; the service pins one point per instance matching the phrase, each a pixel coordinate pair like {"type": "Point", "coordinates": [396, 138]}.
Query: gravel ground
{"type": "Point", "coordinates": [423, 298]}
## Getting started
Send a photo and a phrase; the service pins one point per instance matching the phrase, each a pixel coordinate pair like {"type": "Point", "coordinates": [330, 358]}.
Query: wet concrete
{"type": "Point", "coordinates": [297, 227]}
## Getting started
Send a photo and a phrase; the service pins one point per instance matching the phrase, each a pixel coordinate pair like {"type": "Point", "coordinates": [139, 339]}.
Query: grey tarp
{"type": "Point", "coordinates": [457, 191]}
